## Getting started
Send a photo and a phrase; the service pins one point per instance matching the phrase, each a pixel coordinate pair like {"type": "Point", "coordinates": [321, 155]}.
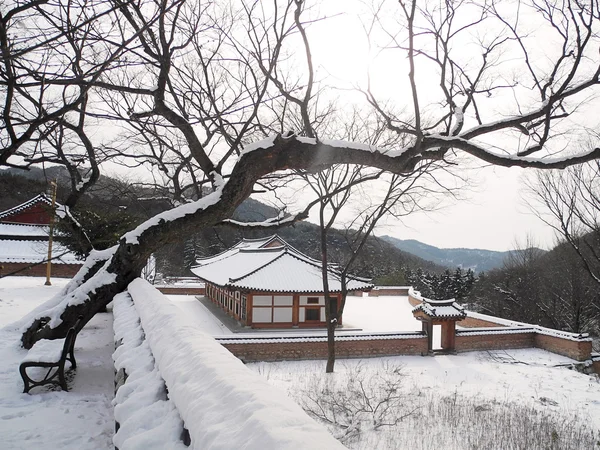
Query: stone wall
{"type": "Point", "coordinates": [493, 333]}
{"type": "Point", "coordinates": [293, 349]}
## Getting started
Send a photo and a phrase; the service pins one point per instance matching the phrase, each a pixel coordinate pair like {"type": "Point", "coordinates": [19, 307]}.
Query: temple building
{"type": "Point", "coordinates": [24, 235]}
{"type": "Point", "coordinates": [267, 283]}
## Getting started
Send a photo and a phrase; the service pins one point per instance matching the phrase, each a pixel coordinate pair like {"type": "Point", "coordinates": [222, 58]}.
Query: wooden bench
{"type": "Point", "coordinates": [51, 354]}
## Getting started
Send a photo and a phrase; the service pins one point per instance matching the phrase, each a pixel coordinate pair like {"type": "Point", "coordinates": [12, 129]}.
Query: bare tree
{"type": "Point", "coordinates": [551, 289]}
{"type": "Point", "coordinates": [197, 83]}
{"type": "Point", "coordinates": [569, 201]}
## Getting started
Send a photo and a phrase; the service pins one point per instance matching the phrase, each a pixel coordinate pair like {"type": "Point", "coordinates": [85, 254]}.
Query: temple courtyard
{"type": "Point", "coordinates": [528, 382]}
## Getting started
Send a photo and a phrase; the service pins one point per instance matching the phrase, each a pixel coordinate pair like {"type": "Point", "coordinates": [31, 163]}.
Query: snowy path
{"type": "Point", "coordinates": [79, 419]}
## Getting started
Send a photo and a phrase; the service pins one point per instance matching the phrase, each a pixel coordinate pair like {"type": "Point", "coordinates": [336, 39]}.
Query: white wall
{"type": "Point", "coordinates": [261, 315]}
{"type": "Point", "coordinates": [282, 314]}
{"type": "Point", "coordinates": [208, 384]}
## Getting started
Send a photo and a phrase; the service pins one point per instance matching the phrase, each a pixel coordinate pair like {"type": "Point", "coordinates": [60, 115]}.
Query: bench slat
{"type": "Point", "coordinates": [50, 354]}
{"type": "Point", "coordinates": [45, 351]}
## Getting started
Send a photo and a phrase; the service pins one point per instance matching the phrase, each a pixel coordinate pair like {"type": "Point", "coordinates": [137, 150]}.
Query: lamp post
{"type": "Point", "coordinates": [51, 234]}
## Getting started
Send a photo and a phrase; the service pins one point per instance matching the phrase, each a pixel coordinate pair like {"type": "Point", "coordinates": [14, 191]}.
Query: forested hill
{"type": "Point", "coordinates": [379, 259]}
{"type": "Point", "coordinates": [467, 258]}
{"type": "Point", "coordinates": [113, 201]}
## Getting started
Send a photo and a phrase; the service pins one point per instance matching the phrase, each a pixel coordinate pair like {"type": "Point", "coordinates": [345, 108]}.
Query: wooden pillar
{"type": "Point", "coordinates": [448, 335]}
{"type": "Point", "coordinates": [249, 310]}
{"type": "Point", "coordinates": [295, 310]}
{"type": "Point", "coordinates": [427, 327]}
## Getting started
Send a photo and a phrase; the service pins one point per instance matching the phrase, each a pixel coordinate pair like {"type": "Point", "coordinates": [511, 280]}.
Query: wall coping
{"type": "Point", "coordinates": [308, 338]}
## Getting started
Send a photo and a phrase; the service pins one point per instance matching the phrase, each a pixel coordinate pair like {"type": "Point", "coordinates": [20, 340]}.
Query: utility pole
{"type": "Point", "coordinates": [54, 185]}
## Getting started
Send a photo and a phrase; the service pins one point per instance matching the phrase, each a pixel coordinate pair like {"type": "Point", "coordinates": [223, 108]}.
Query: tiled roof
{"type": "Point", "coordinates": [441, 309]}
{"type": "Point", "coordinates": [16, 229]}
{"type": "Point", "coordinates": [40, 198]}
{"type": "Point", "coordinates": [29, 252]}
{"type": "Point", "coordinates": [251, 265]}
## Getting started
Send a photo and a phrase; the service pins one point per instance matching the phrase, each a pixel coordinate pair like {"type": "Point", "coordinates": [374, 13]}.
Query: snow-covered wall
{"type": "Point", "coordinates": [223, 404]}
{"type": "Point", "coordinates": [484, 332]}
{"type": "Point", "coordinates": [146, 417]}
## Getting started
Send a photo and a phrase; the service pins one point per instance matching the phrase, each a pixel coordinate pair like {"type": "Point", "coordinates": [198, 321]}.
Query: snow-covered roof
{"type": "Point", "coordinates": [17, 229]}
{"type": "Point", "coordinates": [441, 309]}
{"type": "Point", "coordinates": [29, 252]}
{"type": "Point", "coordinates": [40, 198]}
{"type": "Point", "coordinates": [269, 264]}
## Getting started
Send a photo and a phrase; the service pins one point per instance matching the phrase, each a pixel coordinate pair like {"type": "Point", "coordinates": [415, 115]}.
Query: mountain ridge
{"type": "Point", "coordinates": [479, 260]}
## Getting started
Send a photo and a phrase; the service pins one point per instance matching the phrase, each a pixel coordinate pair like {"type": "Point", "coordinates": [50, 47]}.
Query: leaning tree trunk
{"type": "Point", "coordinates": [135, 247]}
{"type": "Point", "coordinates": [271, 155]}
{"type": "Point", "coordinates": [128, 260]}
{"type": "Point", "coordinates": [126, 265]}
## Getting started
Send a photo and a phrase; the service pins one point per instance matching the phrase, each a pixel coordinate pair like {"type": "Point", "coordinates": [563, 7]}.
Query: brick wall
{"type": "Point", "coordinates": [579, 350]}
{"type": "Point", "coordinates": [392, 290]}
{"type": "Point", "coordinates": [596, 364]}
{"type": "Point", "coordinates": [261, 351]}
{"type": "Point", "coordinates": [466, 341]}
{"type": "Point", "coordinates": [181, 290]}
{"type": "Point", "coordinates": [471, 322]}
{"type": "Point", "coordinates": [58, 270]}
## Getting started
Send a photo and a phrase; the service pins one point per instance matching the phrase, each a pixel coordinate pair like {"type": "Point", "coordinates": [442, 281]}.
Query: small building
{"type": "Point", "coordinates": [24, 236]}
{"type": "Point", "coordinates": [440, 312]}
{"type": "Point", "coordinates": [267, 283]}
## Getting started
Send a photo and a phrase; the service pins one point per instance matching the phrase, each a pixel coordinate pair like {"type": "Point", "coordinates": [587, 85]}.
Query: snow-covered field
{"type": "Point", "coordinates": [506, 385]}
{"type": "Point", "coordinates": [79, 419]}
{"type": "Point", "coordinates": [502, 385]}
{"type": "Point", "coordinates": [484, 384]}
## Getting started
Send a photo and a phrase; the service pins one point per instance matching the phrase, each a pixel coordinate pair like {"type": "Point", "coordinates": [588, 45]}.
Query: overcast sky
{"type": "Point", "coordinates": [493, 214]}
{"type": "Point", "coordinates": [495, 217]}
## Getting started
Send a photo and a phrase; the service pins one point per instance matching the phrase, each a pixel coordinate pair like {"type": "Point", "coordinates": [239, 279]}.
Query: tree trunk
{"type": "Point", "coordinates": [125, 265]}
{"type": "Point", "coordinates": [331, 325]}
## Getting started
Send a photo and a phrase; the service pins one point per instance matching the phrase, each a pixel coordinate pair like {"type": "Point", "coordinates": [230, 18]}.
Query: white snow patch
{"type": "Point", "coordinates": [80, 419]}
{"type": "Point", "coordinates": [224, 405]}
{"type": "Point", "coordinates": [147, 418]}
{"type": "Point", "coordinates": [264, 143]}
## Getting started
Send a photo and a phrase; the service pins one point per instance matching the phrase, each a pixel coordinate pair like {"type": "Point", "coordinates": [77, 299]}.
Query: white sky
{"type": "Point", "coordinates": [493, 214]}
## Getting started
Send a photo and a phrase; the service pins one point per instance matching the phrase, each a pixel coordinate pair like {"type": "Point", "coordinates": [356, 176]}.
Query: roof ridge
{"type": "Point", "coordinates": [319, 265]}
{"type": "Point", "coordinates": [258, 239]}
{"type": "Point", "coordinates": [43, 197]}
{"type": "Point", "coordinates": [216, 255]}
{"type": "Point", "coordinates": [234, 280]}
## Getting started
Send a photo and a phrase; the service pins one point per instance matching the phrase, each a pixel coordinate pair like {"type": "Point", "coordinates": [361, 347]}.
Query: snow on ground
{"type": "Point", "coordinates": [199, 314]}
{"type": "Point", "coordinates": [392, 313]}
{"type": "Point", "coordinates": [527, 377]}
{"type": "Point", "coordinates": [79, 419]}
{"type": "Point", "coordinates": [360, 312]}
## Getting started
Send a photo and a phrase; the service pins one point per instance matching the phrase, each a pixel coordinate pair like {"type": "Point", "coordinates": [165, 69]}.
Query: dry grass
{"type": "Point", "coordinates": [368, 410]}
